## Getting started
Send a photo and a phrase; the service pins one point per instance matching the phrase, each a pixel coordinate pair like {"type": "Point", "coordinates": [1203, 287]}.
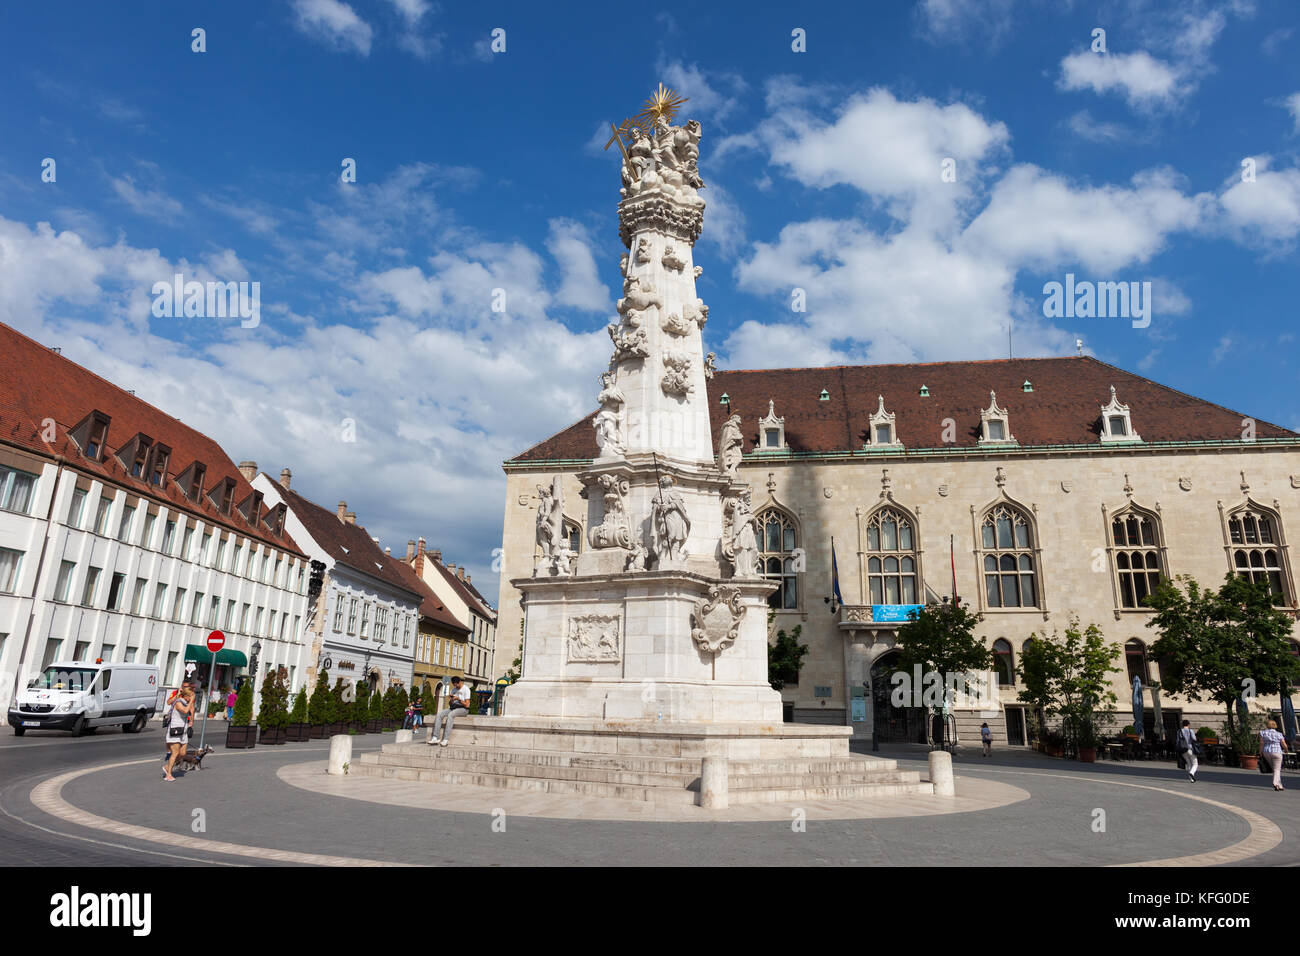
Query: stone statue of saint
{"type": "Point", "coordinates": [550, 522]}
{"type": "Point", "coordinates": [740, 536]}
{"type": "Point", "coordinates": [609, 432]}
{"type": "Point", "coordinates": [670, 526]}
{"type": "Point", "coordinates": [731, 446]}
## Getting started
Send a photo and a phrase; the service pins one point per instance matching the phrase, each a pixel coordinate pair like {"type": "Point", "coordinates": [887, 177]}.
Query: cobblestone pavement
{"type": "Point", "coordinates": [242, 801]}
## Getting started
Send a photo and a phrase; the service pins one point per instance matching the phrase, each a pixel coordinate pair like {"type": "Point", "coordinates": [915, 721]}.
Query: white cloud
{"type": "Point", "coordinates": [1267, 209]}
{"type": "Point", "coordinates": [1293, 106]}
{"type": "Point", "coordinates": [145, 201]}
{"type": "Point", "coordinates": [1140, 78]}
{"type": "Point", "coordinates": [580, 285]}
{"type": "Point", "coordinates": [986, 21]}
{"type": "Point", "coordinates": [334, 23]}
{"type": "Point", "coordinates": [1085, 126]}
{"type": "Point", "coordinates": [708, 100]}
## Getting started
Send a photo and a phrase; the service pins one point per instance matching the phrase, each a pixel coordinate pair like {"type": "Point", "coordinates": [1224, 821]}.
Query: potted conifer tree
{"type": "Point", "coordinates": [268, 714]}
{"type": "Point", "coordinates": [360, 707]}
{"type": "Point", "coordinates": [241, 734]}
{"type": "Point", "coordinates": [298, 729]}
{"type": "Point", "coordinates": [338, 709]}
{"type": "Point", "coordinates": [318, 706]}
{"type": "Point", "coordinates": [375, 719]}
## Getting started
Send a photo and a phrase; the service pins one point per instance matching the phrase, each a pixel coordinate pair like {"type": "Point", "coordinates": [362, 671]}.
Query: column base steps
{"type": "Point", "coordinates": [642, 777]}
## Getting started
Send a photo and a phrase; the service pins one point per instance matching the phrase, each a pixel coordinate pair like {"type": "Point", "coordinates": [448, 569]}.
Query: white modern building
{"type": "Point", "coordinates": [366, 619]}
{"type": "Point", "coordinates": [126, 535]}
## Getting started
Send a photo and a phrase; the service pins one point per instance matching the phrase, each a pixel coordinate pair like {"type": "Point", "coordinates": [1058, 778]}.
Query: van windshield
{"type": "Point", "coordinates": [66, 678]}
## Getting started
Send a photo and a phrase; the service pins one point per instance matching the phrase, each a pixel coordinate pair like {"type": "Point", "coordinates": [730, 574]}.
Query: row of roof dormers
{"type": "Point", "coordinates": [995, 424]}
{"type": "Point", "coordinates": [56, 409]}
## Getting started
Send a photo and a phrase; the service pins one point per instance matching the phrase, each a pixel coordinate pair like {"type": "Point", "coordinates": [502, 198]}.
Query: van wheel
{"type": "Point", "coordinates": [136, 725]}
{"type": "Point", "coordinates": [79, 727]}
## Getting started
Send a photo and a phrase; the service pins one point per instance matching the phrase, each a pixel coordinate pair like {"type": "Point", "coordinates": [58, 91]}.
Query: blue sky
{"type": "Point", "coordinates": [479, 170]}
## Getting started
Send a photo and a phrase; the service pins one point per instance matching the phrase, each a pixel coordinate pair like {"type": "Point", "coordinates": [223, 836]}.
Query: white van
{"type": "Point", "coordinates": [82, 696]}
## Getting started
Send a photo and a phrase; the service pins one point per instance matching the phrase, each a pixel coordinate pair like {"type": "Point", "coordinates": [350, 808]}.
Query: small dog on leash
{"type": "Point", "coordinates": [193, 759]}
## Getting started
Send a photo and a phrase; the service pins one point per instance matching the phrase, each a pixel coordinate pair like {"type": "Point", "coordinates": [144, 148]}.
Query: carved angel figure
{"type": "Point", "coordinates": [637, 298]}
{"type": "Point", "coordinates": [610, 393]}
{"type": "Point", "coordinates": [731, 446]}
{"type": "Point", "coordinates": [550, 518]}
{"type": "Point", "coordinates": [671, 260]}
{"type": "Point", "coordinates": [709, 367]}
{"type": "Point", "coordinates": [740, 533]}
{"type": "Point", "coordinates": [642, 251]}
{"type": "Point", "coordinates": [677, 374]}
{"type": "Point", "coordinates": [675, 325]}
{"type": "Point", "coordinates": [628, 345]}
{"type": "Point", "coordinates": [670, 526]}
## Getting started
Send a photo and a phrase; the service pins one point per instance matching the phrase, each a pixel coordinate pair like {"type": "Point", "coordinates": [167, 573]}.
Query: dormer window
{"type": "Point", "coordinates": [881, 430]}
{"type": "Point", "coordinates": [1116, 423]}
{"type": "Point", "coordinates": [90, 435]}
{"type": "Point", "coordinates": [274, 521]}
{"type": "Point", "coordinates": [191, 480]}
{"type": "Point", "coordinates": [251, 507]}
{"type": "Point", "coordinates": [994, 424]}
{"type": "Point", "coordinates": [158, 461]}
{"type": "Point", "coordinates": [223, 495]}
{"type": "Point", "coordinates": [138, 462]}
{"type": "Point", "coordinates": [772, 430]}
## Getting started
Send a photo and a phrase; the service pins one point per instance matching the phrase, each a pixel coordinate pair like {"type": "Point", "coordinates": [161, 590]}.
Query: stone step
{"type": "Point", "coordinates": [689, 779]}
{"type": "Point", "coordinates": [637, 763]}
{"type": "Point", "coordinates": [645, 794]}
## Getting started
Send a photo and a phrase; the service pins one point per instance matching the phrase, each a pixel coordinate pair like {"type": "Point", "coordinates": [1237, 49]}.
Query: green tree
{"type": "Point", "coordinates": [941, 638]}
{"type": "Point", "coordinates": [1221, 644]}
{"type": "Point", "coordinates": [244, 704]}
{"type": "Point", "coordinates": [338, 705]}
{"type": "Point", "coordinates": [299, 714]}
{"type": "Point", "coordinates": [376, 706]}
{"type": "Point", "coordinates": [785, 658]}
{"type": "Point", "coordinates": [318, 706]}
{"type": "Point", "coordinates": [361, 702]}
{"type": "Point", "coordinates": [1069, 677]}
{"type": "Point", "coordinates": [517, 665]}
{"type": "Point", "coordinates": [268, 714]}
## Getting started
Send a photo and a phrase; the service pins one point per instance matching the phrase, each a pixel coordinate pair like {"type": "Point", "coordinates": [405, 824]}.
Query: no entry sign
{"type": "Point", "coordinates": [216, 641]}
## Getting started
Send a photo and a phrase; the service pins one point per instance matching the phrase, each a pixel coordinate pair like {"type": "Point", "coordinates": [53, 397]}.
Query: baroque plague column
{"type": "Point", "coordinates": [663, 616]}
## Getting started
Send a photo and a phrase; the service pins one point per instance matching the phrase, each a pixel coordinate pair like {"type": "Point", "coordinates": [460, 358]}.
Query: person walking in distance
{"type": "Point", "coordinates": [986, 737]}
{"type": "Point", "coordinates": [1271, 745]}
{"type": "Point", "coordinates": [181, 713]}
{"type": "Point", "coordinates": [230, 704]}
{"type": "Point", "coordinates": [457, 705]}
{"type": "Point", "coordinates": [1188, 748]}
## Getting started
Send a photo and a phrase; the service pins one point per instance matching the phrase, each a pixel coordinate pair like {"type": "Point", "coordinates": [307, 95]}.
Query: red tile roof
{"type": "Point", "coordinates": [1063, 408]}
{"type": "Point", "coordinates": [38, 384]}
{"type": "Point", "coordinates": [431, 607]}
{"type": "Point", "coordinates": [348, 544]}
{"type": "Point", "coordinates": [466, 591]}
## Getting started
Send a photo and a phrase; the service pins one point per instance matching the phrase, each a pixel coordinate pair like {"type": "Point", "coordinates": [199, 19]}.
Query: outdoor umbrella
{"type": "Point", "coordinates": [1159, 728]}
{"type": "Point", "coordinates": [1288, 718]}
{"type": "Point", "coordinates": [1243, 713]}
{"type": "Point", "coordinates": [1137, 705]}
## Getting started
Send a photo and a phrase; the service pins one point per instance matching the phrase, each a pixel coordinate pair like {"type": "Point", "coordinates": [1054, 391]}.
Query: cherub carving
{"type": "Point", "coordinates": [670, 260]}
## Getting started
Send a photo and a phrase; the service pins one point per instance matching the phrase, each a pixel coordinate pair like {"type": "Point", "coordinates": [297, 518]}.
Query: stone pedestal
{"type": "Point", "coordinates": [340, 754]}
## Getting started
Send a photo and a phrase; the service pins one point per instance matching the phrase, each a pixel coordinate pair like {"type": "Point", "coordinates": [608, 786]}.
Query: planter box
{"type": "Point", "coordinates": [241, 737]}
{"type": "Point", "coordinates": [271, 735]}
{"type": "Point", "coordinates": [374, 726]}
{"type": "Point", "coordinates": [338, 728]}
{"type": "Point", "coordinates": [1088, 754]}
{"type": "Point", "coordinates": [296, 733]}
{"type": "Point", "coordinates": [1208, 741]}
{"type": "Point", "coordinates": [320, 731]}
{"type": "Point", "coordinates": [1250, 761]}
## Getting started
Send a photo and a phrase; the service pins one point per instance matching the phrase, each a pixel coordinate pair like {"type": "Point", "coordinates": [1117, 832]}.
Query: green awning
{"type": "Point", "coordinates": [227, 655]}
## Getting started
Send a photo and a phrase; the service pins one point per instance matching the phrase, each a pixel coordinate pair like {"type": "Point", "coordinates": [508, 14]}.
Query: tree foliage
{"type": "Point", "coordinates": [299, 713]}
{"type": "Point", "coordinates": [941, 639]}
{"type": "Point", "coordinates": [785, 658]}
{"type": "Point", "coordinates": [243, 715]}
{"type": "Point", "coordinates": [318, 708]}
{"type": "Point", "coordinates": [1069, 677]}
{"type": "Point", "coordinates": [1219, 644]}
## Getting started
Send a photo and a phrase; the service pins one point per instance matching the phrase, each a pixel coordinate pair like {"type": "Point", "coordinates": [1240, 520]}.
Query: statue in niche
{"type": "Point", "coordinates": [670, 525]}
{"type": "Point", "coordinates": [671, 260]}
{"type": "Point", "coordinates": [731, 446]}
{"type": "Point", "coordinates": [740, 533]}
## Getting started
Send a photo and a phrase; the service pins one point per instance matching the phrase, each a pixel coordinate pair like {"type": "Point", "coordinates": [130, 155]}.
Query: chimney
{"type": "Point", "coordinates": [419, 558]}
{"type": "Point", "coordinates": [285, 476]}
{"type": "Point", "coordinates": [410, 550]}
{"type": "Point", "coordinates": [436, 555]}
{"type": "Point", "coordinates": [467, 577]}
{"type": "Point", "coordinates": [460, 572]}
{"type": "Point", "coordinates": [343, 511]}
{"type": "Point", "coordinates": [350, 517]}
{"type": "Point", "coordinates": [248, 469]}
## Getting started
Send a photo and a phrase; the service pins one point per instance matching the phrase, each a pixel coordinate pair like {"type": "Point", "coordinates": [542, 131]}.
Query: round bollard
{"type": "Point", "coordinates": [713, 783]}
{"type": "Point", "coordinates": [941, 773]}
{"type": "Point", "coordinates": [340, 754]}
{"type": "Point", "coordinates": [405, 736]}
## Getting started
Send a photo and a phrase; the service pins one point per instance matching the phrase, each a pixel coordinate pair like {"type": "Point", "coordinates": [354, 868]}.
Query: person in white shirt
{"type": "Point", "coordinates": [457, 705]}
{"type": "Point", "coordinates": [1271, 746]}
{"type": "Point", "coordinates": [1187, 748]}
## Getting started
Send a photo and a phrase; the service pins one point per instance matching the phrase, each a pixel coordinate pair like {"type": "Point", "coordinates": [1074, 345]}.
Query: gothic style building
{"type": "Point", "coordinates": [1045, 489]}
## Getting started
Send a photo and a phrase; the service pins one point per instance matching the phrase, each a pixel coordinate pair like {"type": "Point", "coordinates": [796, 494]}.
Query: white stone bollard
{"type": "Point", "coordinates": [713, 783]}
{"type": "Point", "coordinates": [340, 754]}
{"type": "Point", "coordinates": [405, 736]}
{"type": "Point", "coordinates": [941, 773]}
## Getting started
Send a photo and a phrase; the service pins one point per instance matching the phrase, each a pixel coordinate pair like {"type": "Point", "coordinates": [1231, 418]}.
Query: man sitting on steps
{"type": "Point", "coordinates": [457, 705]}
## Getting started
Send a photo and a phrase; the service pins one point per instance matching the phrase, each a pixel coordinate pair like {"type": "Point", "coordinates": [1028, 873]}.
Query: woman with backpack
{"type": "Point", "coordinates": [1189, 748]}
{"type": "Point", "coordinates": [175, 727]}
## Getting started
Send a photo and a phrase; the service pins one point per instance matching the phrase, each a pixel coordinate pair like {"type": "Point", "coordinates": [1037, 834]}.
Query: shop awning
{"type": "Point", "coordinates": [227, 655]}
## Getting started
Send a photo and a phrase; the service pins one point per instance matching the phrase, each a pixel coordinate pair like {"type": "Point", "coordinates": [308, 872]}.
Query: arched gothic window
{"type": "Point", "coordinates": [1004, 662]}
{"type": "Point", "coordinates": [891, 558]}
{"type": "Point", "coordinates": [1135, 656]}
{"type": "Point", "coordinates": [1134, 535]}
{"type": "Point", "coordinates": [1255, 546]}
{"type": "Point", "coordinates": [1008, 546]}
{"type": "Point", "coordinates": [777, 558]}
{"type": "Point", "coordinates": [574, 534]}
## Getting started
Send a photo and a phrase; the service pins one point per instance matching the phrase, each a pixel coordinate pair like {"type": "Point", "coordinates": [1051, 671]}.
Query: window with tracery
{"type": "Point", "coordinates": [1137, 556]}
{"type": "Point", "coordinates": [891, 558]}
{"type": "Point", "coordinates": [1256, 551]}
{"type": "Point", "coordinates": [1009, 573]}
{"type": "Point", "coordinates": [778, 556]}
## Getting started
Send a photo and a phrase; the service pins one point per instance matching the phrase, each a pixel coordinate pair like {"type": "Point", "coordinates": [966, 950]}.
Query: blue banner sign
{"type": "Point", "coordinates": [886, 613]}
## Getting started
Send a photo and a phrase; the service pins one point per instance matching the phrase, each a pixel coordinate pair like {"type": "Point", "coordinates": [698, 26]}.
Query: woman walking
{"type": "Point", "coordinates": [1187, 749]}
{"type": "Point", "coordinates": [177, 740]}
{"type": "Point", "coordinates": [1271, 746]}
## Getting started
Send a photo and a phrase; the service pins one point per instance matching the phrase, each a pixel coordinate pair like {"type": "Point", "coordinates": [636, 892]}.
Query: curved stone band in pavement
{"type": "Point", "coordinates": [973, 794]}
